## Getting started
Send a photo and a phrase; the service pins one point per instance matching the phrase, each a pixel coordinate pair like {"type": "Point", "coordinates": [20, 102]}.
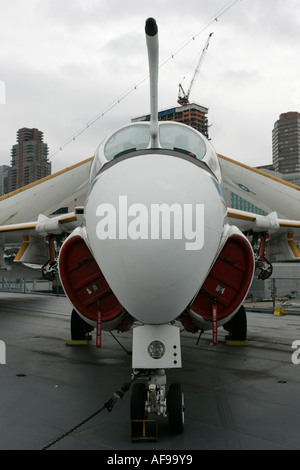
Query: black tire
{"type": "Point", "coordinates": [137, 402]}
{"type": "Point", "coordinates": [237, 326]}
{"type": "Point", "coordinates": [175, 406]}
{"type": "Point", "coordinates": [79, 328]}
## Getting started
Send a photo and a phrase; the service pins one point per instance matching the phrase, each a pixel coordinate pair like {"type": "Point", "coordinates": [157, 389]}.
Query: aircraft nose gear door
{"type": "Point", "coordinates": [156, 348]}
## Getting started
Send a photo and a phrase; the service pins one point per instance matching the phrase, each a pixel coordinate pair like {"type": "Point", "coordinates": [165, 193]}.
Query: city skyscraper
{"type": "Point", "coordinates": [286, 143]}
{"type": "Point", "coordinates": [29, 159]}
{"type": "Point", "coordinates": [3, 179]}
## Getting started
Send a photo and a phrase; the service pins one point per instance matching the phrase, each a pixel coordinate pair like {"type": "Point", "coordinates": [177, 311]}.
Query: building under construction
{"type": "Point", "coordinates": [191, 114]}
{"type": "Point", "coordinates": [188, 113]}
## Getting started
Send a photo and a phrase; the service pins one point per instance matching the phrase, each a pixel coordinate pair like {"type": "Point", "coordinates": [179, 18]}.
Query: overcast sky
{"type": "Point", "coordinates": [64, 62]}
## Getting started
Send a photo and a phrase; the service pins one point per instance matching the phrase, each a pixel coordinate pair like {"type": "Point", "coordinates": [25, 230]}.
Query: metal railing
{"type": "Point", "coordinates": [22, 285]}
{"type": "Point", "coordinates": [274, 293]}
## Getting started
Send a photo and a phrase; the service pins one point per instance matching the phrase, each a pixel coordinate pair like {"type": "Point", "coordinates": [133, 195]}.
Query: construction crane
{"type": "Point", "coordinates": [183, 98]}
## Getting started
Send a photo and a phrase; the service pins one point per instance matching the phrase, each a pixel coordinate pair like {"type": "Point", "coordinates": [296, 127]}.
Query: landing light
{"type": "Point", "coordinates": [156, 349]}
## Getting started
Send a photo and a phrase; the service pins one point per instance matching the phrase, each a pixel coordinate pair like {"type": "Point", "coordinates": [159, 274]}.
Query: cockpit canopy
{"type": "Point", "coordinates": [172, 136]}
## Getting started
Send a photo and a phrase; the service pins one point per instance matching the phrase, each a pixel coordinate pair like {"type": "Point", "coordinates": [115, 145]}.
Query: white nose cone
{"type": "Point", "coordinates": [154, 224]}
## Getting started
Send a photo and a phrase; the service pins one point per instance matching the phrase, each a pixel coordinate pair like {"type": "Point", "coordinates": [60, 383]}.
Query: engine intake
{"type": "Point", "coordinates": [85, 285]}
{"type": "Point", "coordinates": [226, 285]}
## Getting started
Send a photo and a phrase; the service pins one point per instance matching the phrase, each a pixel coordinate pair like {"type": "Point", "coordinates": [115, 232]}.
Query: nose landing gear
{"type": "Point", "coordinates": [152, 398]}
{"type": "Point", "coordinates": [156, 348]}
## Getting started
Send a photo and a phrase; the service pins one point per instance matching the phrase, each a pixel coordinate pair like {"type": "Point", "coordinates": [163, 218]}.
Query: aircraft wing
{"type": "Point", "coordinates": [253, 190]}
{"type": "Point", "coordinates": [33, 241]}
{"type": "Point", "coordinates": [14, 233]}
{"type": "Point", "coordinates": [277, 202]}
{"type": "Point", "coordinates": [44, 196]}
{"type": "Point", "coordinates": [21, 222]}
{"type": "Point", "coordinates": [247, 221]}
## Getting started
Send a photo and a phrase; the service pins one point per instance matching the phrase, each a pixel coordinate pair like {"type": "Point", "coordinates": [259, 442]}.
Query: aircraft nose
{"type": "Point", "coordinates": [154, 224]}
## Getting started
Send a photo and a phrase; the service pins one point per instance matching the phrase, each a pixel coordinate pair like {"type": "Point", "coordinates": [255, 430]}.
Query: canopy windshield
{"type": "Point", "coordinates": [172, 136]}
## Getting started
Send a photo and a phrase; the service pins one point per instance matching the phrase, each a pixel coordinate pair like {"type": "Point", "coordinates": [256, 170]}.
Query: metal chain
{"type": "Point", "coordinates": [108, 405]}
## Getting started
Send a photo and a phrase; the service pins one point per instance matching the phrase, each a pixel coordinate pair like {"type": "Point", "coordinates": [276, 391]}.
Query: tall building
{"type": "Point", "coordinates": [191, 114]}
{"type": "Point", "coordinates": [286, 143]}
{"type": "Point", "coordinates": [3, 179]}
{"type": "Point", "coordinates": [29, 159]}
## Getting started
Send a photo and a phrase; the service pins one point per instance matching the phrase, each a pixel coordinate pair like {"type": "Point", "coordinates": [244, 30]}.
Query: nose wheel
{"type": "Point", "coordinates": [151, 398]}
{"type": "Point", "coordinates": [138, 401]}
{"type": "Point", "coordinates": [175, 407]}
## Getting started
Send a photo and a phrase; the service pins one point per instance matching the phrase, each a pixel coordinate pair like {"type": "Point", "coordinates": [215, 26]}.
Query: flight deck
{"type": "Point", "coordinates": [236, 397]}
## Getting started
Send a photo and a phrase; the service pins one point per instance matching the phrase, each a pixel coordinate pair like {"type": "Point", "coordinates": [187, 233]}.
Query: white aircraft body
{"type": "Point", "coordinates": [156, 246]}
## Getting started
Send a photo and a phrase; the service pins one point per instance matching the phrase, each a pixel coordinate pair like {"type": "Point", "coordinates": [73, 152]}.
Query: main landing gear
{"type": "Point", "coordinates": [80, 330]}
{"type": "Point", "coordinates": [237, 326]}
{"type": "Point", "coordinates": [153, 398]}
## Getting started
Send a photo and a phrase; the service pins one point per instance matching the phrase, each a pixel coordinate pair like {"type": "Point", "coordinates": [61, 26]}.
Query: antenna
{"type": "Point", "coordinates": [152, 46]}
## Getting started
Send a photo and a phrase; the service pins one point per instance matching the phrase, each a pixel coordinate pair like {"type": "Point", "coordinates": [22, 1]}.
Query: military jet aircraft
{"type": "Point", "coordinates": [155, 248]}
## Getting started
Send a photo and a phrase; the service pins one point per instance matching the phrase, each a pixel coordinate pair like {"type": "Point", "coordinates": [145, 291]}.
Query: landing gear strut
{"type": "Point", "coordinates": [152, 398]}
{"type": "Point", "coordinates": [260, 240]}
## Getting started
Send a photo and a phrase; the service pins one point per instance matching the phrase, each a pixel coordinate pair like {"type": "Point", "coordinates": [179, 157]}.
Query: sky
{"type": "Point", "coordinates": [77, 70]}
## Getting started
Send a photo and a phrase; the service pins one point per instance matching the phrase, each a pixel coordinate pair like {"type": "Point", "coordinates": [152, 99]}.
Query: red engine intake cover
{"type": "Point", "coordinates": [228, 281]}
{"type": "Point", "coordinates": [84, 283]}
